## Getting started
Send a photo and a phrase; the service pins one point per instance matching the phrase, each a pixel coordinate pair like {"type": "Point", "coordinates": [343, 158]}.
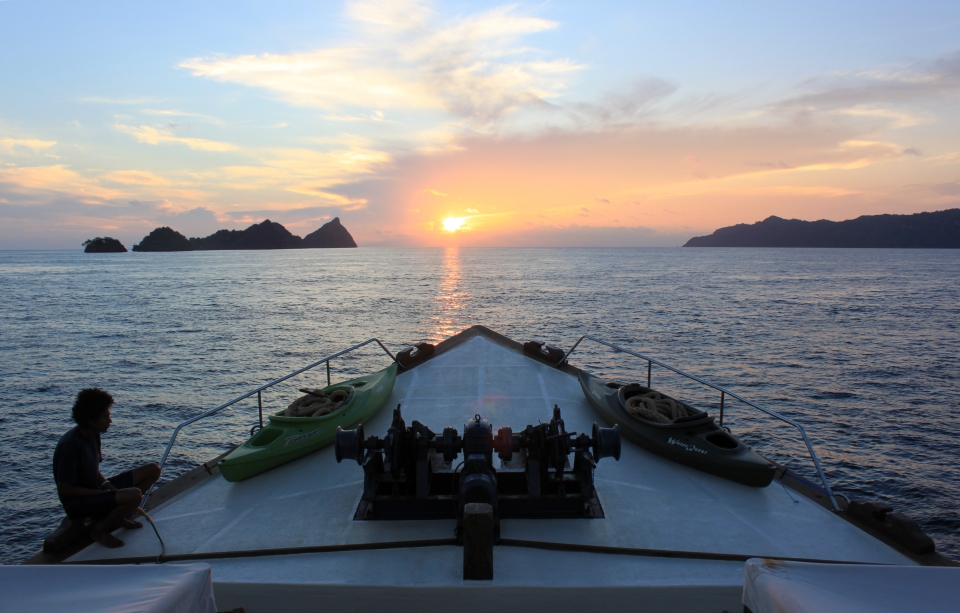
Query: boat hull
{"type": "Point", "coordinates": [698, 442]}
{"type": "Point", "coordinates": [288, 438]}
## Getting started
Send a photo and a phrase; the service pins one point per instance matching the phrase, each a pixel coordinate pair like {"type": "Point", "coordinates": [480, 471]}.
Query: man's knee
{"type": "Point", "coordinates": [129, 496]}
{"type": "Point", "coordinates": [147, 472]}
{"type": "Point", "coordinates": [154, 471]}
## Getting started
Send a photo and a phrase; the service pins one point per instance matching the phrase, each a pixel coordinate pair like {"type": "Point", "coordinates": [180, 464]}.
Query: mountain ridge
{"type": "Point", "coordinates": [265, 235]}
{"type": "Point", "coordinates": [934, 230]}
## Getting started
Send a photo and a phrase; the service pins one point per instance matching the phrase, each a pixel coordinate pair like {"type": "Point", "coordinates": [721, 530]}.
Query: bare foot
{"type": "Point", "coordinates": [129, 524]}
{"type": "Point", "coordinates": [106, 539]}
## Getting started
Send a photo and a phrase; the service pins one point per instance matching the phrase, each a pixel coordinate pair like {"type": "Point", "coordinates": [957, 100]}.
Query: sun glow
{"type": "Point", "coordinates": [452, 224]}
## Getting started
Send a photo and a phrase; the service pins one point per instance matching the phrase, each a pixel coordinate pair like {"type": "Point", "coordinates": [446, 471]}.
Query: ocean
{"type": "Point", "coordinates": [860, 346]}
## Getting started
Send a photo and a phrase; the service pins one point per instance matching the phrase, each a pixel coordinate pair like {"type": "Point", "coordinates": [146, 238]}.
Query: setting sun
{"type": "Point", "coordinates": [452, 224]}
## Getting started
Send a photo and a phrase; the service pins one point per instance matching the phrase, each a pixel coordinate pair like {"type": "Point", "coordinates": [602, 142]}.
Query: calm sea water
{"type": "Point", "coordinates": [861, 346]}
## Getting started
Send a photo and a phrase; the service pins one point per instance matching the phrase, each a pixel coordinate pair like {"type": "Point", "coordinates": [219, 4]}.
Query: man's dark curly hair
{"type": "Point", "coordinates": [90, 405]}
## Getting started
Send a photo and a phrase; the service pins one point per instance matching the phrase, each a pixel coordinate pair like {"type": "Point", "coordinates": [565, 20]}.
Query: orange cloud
{"type": "Point", "coordinates": [58, 178]}
{"type": "Point", "coordinates": [537, 186]}
{"type": "Point", "coordinates": [136, 177]}
{"type": "Point", "coordinates": [21, 146]}
{"type": "Point", "coordinates": [158, 136]}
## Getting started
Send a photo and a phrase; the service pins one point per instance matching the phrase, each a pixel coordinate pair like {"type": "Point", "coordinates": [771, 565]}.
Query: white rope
{"type": "Point", "coordinates": [316, 403]}
{"type": "Point", "coordinates": [654, 406]}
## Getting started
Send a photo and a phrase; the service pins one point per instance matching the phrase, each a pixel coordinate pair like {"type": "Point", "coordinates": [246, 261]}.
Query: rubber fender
{"type": "Point", "coordinates": [421, 350]}
{"type": "Point", "coordinates": [546, 352]}
{"type": "Point", "coordinates": [403, 357]}
{"type": "Point", "coordinates": [532, 347]}
{"type": "Point", "coordinates": [897, 526]}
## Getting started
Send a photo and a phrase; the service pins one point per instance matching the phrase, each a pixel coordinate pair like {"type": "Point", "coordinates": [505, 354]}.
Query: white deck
{"type": "Point", "coordinates": [649, 503]}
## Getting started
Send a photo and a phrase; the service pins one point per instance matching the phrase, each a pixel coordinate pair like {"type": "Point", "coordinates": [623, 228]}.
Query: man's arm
{"type": "Point", "coordinates": [105, 483]}
{"type": "Point", "coordinates": [70, 490]}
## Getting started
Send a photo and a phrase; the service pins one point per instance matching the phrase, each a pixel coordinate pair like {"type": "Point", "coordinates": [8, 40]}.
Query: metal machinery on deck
{"type": "Point", "coordinates": [409, 474]}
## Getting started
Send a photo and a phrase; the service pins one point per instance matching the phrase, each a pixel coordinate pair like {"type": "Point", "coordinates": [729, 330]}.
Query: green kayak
{"type": "Point", "coordinates": [288, 438]}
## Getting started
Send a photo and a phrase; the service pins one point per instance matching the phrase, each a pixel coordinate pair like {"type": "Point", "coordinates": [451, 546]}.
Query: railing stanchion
{"type": "Point", "coordinates": [328, 373]}
{"type": "Point", "coordinates": [260, 406]}
{"type": "Point", "coordinates": [571, 351]}
{"type": "Point", "coordinates": [649, 369]}
{"type": "Point", "coordinates": [722, 394]}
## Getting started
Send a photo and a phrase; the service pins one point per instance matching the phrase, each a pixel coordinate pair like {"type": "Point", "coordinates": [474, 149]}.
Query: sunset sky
{"type": "Point", "coordinates": [469, 123]}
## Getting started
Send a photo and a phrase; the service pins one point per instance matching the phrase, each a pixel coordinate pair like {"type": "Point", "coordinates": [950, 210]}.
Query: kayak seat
{"type": "Point", "coordinates": [722, 440]}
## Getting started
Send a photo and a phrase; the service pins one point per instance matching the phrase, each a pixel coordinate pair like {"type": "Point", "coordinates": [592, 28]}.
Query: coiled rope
{"type": "Point", "coordinates": [654, 406]}
{"type": "Point", "coordinates": [315, 403]}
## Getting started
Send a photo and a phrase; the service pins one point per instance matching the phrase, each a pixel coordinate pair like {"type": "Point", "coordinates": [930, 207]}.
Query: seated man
{"type": "Point", "coordinates": [83, 490]}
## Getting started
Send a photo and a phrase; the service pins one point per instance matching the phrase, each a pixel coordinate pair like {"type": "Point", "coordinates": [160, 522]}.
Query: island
{"type": "Point", "coordinates": [103, 244]}
{"type": "Point", "coordinates": [164, 239]}
{"type": "Point", "coordinates": [936, 230]}
{"type": "Point", "coordinates": [330, 235]}
{"type": "Point", "coordinates": [265, 235]}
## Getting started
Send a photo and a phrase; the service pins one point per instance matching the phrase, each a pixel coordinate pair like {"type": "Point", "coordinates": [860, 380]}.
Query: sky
{"type": "Point", "coordinates": [471, 123]}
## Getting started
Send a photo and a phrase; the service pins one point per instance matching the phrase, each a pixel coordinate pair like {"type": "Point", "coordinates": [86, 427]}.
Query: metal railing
{"type": "Point", "coordinates": [258, 391]}
{"type": "Point", "coordinates": [723, 393]}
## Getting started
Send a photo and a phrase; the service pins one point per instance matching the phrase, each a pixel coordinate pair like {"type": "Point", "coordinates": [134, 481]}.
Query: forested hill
{"type": "Point", "coordinates": [265, 235]}
{"type": "Point", "coordinates": [938, 230]}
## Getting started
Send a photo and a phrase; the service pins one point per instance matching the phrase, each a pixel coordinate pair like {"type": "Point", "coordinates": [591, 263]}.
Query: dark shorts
{"type": "Point", "coordinates": [100, 504]}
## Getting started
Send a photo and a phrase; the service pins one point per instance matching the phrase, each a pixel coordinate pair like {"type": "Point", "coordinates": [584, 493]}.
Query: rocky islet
{"type": "Point", "coordinates": [265, 235]}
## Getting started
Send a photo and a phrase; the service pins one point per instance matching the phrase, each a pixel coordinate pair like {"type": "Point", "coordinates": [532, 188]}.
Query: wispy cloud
{"type": "Point", "coordinates": [120, 100]}
{"type": "Point", "coordinates": [880, 93]}
{"type": "Point", "coordinates": [136, 177]}
{"type": "Point", "coordinates": [897, 118]}
{"type": "Point", "coordinates": [159, 136]}
{"type": "Point", "coordinates": [377, 116]}
{"type": "Point", "coordinates": [175, 113]}
{"type": "Point", "coordinates": [21, 146]}
{"type": "Point", "coordinates": [56, 179]}
{"type": "Point", "coordinates": [302, 171]}
{"type": "Point", "coordinates": [638, 101]}
{"type": "Point", "coordinates": [404, 56]}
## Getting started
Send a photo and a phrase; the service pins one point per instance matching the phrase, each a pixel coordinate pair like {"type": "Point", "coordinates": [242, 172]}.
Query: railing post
{"type": "Point", "coordinates": [649, 368]}
{"type": "Point", "coordinates": [722, 394]}
{"type": "Point", "coordinates": [328, 373]}
{"type": "Point", "coordinates": [260, 406]}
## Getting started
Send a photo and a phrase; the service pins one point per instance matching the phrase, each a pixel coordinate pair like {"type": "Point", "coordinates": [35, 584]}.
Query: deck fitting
{"type": "Point", "coordinates": [478, 535]}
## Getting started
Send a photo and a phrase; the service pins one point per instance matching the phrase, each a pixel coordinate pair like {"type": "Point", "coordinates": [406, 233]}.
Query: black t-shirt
{"type": "Point", "coordinates": [77, 459]}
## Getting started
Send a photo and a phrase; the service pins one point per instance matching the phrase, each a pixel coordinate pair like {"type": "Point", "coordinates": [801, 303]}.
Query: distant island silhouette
{"type": "Point", "coordinates": [938, 230]}
{"type": "Point", "coordinates": [103, 244]}
{"type": "Point", "coordinates": [265, 235]}
{"type": "Point", "coordinates": [164, 239]}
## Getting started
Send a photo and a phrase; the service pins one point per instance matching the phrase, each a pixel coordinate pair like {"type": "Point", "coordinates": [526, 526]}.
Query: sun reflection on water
{"type": "Point", "coordinates": [451, 297]}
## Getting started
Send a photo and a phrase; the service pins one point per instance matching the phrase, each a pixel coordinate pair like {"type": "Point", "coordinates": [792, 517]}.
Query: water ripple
{"type": "Point", "coordinates": [858, 345]}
